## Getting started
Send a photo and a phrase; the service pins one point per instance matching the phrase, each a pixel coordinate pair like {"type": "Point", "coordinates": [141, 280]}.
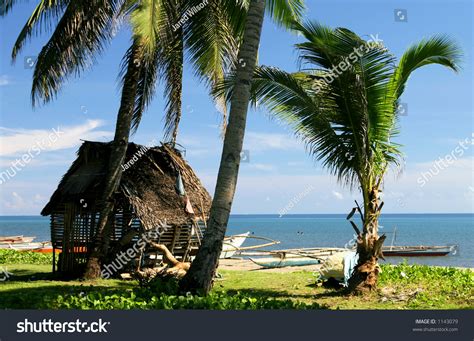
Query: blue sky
{"type": "Point", "coordinates": [279, 173]}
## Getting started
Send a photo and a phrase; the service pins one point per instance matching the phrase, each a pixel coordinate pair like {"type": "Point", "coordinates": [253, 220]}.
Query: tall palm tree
{"type": "Point", "coordinates": [83, 29]}
{"type": "Point", "coordinates": [348, 116]}
{"type": "Point", "coordinates": [199, 277]}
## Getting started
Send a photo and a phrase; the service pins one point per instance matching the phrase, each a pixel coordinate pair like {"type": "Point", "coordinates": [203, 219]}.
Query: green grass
{"type": "Point", "coordinates": [33, 286]}
{"type": "Point", "coordinates": [400, 287]}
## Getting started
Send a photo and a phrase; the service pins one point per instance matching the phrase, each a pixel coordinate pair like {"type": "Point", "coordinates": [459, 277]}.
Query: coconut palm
{"type": "Point", "coordinates": [343, 105]}
{"type": "Point", "coordinates": [199, 277]}
{"type": "Point", "coordinates": [83, 29]}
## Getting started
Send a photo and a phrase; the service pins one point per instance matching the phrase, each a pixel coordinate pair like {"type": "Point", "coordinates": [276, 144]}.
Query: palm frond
{"type": "Point", "coordinates": [343, 103]}
{"type": "Point", "coordinates": [42, 18]}
{"type": "Point", "coordinates": [211, 38]}
{"type": "Point", "coordinates": [7, 5]}
{"type": "Point", "coordinates": [171, 69]}
{"type": "Point", "coordinates": [439, 49]}
{"type": "Point", "coordinates": [285, 12]}
{"type": "Point", "coordinates": [162, 58]}
{"type": "Point", "coordinates": [292, 99]}
{"type": "Point", "coordinates": [79, 37]}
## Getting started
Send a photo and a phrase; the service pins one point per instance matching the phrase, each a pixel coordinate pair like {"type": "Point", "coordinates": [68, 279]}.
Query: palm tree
{"type": "Point", "coordinates": [199, 277]}
{"type": "Point", "coordinates": [83, 29]}
{"type": "Point", "coordinates": [343, 105]}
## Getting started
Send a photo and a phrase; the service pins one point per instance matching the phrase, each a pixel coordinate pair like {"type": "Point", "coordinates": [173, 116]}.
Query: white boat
{"type": "Point", "coordinates": [39, 246]}
{"type": "Point", "coordinates": [273, 262]}
{"type": "Point", "coordinates": [292, 257]}
{"type": "Point", "coordinates": [15, 240]}
{"type": "Point", "coordinates": [232, 244]}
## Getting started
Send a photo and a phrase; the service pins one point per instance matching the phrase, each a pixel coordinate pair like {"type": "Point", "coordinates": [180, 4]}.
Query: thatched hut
{"type": "Point", "coordinates": [157, 188]}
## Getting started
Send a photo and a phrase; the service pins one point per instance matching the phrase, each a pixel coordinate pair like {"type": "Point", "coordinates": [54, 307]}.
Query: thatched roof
{"type": "Point", "coordinates": [148, 185]}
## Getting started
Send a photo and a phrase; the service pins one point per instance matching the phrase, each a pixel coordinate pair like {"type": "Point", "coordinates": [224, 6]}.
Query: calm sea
{"type": "Point", "coordinates": [328, 230]}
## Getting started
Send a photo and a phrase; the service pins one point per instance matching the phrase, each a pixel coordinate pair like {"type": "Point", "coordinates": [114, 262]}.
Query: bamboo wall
{"type": "Point", "coordinates": [74, 227]}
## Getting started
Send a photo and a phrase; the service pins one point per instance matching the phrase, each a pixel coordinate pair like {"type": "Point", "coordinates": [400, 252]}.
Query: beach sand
{"type": "Point", "coordinates": [238, 264]}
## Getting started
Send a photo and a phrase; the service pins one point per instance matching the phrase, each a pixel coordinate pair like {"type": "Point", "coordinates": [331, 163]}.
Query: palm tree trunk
{"type": "Point", "coordinates": [114, 170]}
{"type": "Point", "coordinates": [369, 248]}
{"type": "Point", "coordinates": [200, 277]}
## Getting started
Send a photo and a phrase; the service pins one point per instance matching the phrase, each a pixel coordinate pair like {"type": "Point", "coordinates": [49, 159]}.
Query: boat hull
{"type": "Point", "coordinates": [232, 245]}
{"type": "Point", "coordinates": [35, 247]}
{"type": "Point", "coordinates": [272, 263]}
{"type": "Point", "coordinates": [418, 251]}
{"type": "Point", "coordinates": [415, 253]}
{"type": "Point", "coordinates": [15, 240]}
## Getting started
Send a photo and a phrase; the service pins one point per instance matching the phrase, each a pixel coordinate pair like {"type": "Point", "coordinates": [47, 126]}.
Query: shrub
{"type": "Point", "coordinates": [438, 285]}
{"type": "Point", "coordinates": [25, 257]}
{"type": "Point", "coordinates": [405, 273]}
{"type": "Point", "coordinates": [140, 299]}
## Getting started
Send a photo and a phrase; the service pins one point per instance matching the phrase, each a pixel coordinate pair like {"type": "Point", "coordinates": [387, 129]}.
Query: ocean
{"type": "Point", "coordinates": [326, 230]}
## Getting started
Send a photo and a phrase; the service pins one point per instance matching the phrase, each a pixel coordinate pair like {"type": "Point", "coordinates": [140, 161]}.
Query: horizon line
{"type": "Point", "coordinates": [277, 214]}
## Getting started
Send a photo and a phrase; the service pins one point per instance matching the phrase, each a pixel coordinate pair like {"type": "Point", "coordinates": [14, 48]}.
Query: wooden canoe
{"type": "Point", "coordinates": [418, 251]}
{"type": "Point", "coordinates": [273, 262]}
{"type": "Point", "coordinates": [233, 244]}
{"type": "Point", "coordinates": [16, 239]}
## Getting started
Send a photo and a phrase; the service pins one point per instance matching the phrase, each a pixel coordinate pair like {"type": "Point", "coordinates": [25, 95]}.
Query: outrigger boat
{"type": "Point", "coordinates": [418, 251]}
{"type": "Point", "coordinates": [292, 257]}
{"type": "Point", "coordinates": [15, 240]}
{"type": "Point", "coordinates": [43, 247]}
{"type": "Point", "coordinates": [273, 262]}
{"type": "Point", "coordinates": [313, 256]}
{"type": "Point", "coordinates": [21, 243]}
{"type": "Point", "coordinates": [233, 244]}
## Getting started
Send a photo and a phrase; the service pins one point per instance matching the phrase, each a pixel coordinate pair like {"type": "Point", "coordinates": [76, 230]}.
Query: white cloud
{"type": "Point", "coordinates": [4, 80]}
{"type": "Point", "coordinates": [451, 191]}
{"type": "Point", "coordinates": [337, 195]}
{"type": "Point", "coordinates": [198, 152]}
{"type": "Point", "coordinates": [261, 166]}
{"type": "Point", "coordinates": [16, 201]}
{"type": "Point", "coordinates": [22, 201]}
{"type": "Point", "coordinates": [58, 158]}
{"type": "Point", "coordinates": [257, 141]}
{"type": "Point", "coordinates": [16, 141]}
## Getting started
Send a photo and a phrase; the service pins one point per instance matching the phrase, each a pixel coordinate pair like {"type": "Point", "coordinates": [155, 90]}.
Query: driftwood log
{"type": "Point", "coordinates": [169, 259]}
{"type": "Point", "coordinates": [172, 268]}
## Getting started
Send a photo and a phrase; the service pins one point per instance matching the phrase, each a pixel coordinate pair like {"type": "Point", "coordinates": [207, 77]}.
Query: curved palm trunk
{"type": "Point", "coordinates": [114, 169]}
{"type": "Point", "coordinates": [199, 277]}
{"type": "Point", "coordinates": [369, 248]}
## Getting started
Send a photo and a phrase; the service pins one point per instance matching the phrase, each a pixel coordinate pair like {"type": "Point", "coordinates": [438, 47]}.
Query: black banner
{"type": "Point", "coordinates": [237, 325]}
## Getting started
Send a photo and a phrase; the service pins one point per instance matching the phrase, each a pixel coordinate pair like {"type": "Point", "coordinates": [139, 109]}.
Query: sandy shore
{"type": "Point", "coordinates": [247, 265]}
